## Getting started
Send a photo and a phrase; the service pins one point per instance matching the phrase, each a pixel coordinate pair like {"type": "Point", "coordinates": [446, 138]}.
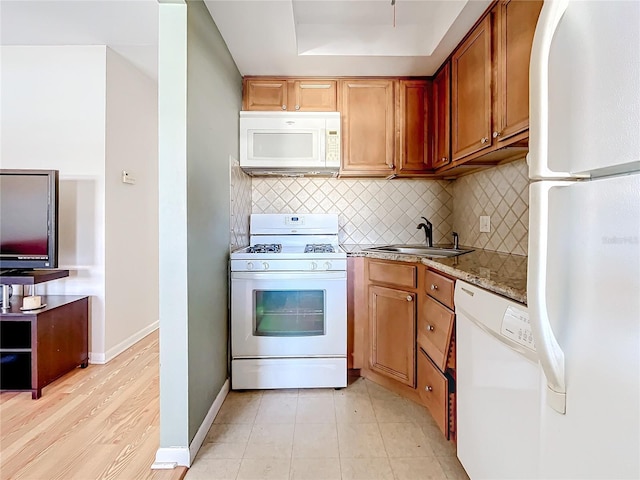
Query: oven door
{"type": "Point", "coordinates": [288, 314]}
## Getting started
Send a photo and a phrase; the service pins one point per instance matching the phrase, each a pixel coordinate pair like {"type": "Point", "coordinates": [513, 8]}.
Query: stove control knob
{"type": "Point", "coordinates": [249, 265]}
{"type": "Point", "coordinates": [314, 265]}
{"type": "Point", "coordinates": [327, 265]}
{"type": "Point", "coordinates": [265, 265]}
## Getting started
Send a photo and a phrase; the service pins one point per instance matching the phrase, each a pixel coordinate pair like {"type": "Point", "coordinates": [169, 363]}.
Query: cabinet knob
{"type": "Point", "coordinates": [430, 328]}
{"type": "Point", "coordinates": [297, 107]}
{"type": "Point", "coordinates": [284, 107]}
{"type": "Point", "coordinates": [265, 265]}
{"type": "Point", "coordinates": [314, 265]}
{"type": "Point", "coordinates": [409, 298]}
{"type": "Point", "coordinates": [434, 286]}
{"type": "Point", "coordinates": [444, 159]}
{"type": "Point", "coordinates": [249, 265]}
{"type": "Point", "coordinates": [484, 140]}
{"type": "Point", "coordinates": [390, 165]}
{"type": "Point", "coordinates": [327, 265]}
{"type": "Point", "coordinates": [496, 134]}
{"type": "Point", "coordinates": [428, 388]}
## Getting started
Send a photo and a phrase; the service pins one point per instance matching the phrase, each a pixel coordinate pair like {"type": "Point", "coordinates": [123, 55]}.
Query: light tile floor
{"type": "Point", "coordinates": [361, 432]}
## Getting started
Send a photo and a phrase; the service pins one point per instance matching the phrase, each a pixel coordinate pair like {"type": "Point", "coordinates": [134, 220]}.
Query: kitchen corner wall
{"type": "Point", "coordinates": [502, 193]}
{"type": "Point", "coordinates": [240, 205]}
{"type": "Point", "coordinates": [371, 211]}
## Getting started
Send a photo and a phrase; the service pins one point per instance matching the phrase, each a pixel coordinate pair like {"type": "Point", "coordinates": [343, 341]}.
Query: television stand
{"type": "Point", "coordinates": [16, 276]}
{"type": "Point", "coordinates": [39, 346]}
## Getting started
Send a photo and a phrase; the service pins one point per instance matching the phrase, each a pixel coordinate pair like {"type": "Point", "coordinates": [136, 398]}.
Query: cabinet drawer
{"type": "Point", "coordinates": [402, 275]}
{"type": "Point", "coordinates": [435, 327]}
{"type": "Point", "coordinates": [440, 287]}
{"type": "Point", "coordinates": [433, 388]}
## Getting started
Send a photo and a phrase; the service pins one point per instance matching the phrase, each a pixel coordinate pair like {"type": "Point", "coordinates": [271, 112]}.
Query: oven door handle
{"type": "Point", "coordinates": [331, 275]}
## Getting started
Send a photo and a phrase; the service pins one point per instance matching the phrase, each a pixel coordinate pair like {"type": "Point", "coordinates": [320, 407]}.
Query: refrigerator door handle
{"type": "Point", "coordinates": [537, 158]}
{"type": "Point", "coordinates": [550, 354]}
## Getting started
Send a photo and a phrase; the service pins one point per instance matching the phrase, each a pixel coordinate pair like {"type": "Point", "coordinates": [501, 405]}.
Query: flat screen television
{"type": "Point", "coordinates": [28, 219]}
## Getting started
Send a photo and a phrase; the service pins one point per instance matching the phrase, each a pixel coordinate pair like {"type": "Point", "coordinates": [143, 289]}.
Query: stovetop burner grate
{"type": "Point", "coordinates": [319, 248]}
{"type": "Point", "coordinates": [265, 248]}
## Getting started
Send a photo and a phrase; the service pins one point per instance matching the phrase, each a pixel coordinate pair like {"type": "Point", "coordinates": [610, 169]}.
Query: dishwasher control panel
{"type": "Point", "coordinates": [516, 326]}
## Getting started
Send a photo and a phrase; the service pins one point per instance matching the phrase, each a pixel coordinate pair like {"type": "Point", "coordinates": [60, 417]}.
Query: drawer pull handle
{"type": "Point", "coordinates": [430, 328]}
{"type": "Point", "coordinates": [428, 388]}
{"type": "Point", "coordinates": [409, 298]}
{"type": "Point", "coordinates": [434, 286]}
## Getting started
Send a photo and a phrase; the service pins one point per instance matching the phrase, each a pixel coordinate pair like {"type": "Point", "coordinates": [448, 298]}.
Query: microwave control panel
{"type": "Point", "coordinates": [333, 147]}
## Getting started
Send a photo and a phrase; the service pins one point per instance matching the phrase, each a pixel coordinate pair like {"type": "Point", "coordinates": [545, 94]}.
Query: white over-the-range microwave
{"type": "Point", "coordinates": [290, 143]}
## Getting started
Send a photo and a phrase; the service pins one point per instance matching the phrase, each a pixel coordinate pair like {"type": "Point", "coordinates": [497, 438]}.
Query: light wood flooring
{"type": "Point", "coordinates": [98, 423]}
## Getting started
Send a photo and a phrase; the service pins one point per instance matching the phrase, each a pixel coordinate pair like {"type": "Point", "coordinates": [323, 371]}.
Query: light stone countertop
{"type": "Point", "coordinates": [497, 272]}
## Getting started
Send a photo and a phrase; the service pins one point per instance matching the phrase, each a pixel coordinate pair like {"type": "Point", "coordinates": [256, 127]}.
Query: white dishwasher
{"type": "Point", "coordinates": [497, 386]}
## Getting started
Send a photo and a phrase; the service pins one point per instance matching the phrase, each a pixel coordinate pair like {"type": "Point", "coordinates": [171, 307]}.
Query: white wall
{"type": "Point", "coordinates": [200, 92]}
{"type": "Point", "coordinates": [88, 113]}
{"type": "Point", "coordinates": [53, 117]}
{"type": "Point", "coordinates": [131, 280]}
{"type": "Point", "coordinates": [172, 159]}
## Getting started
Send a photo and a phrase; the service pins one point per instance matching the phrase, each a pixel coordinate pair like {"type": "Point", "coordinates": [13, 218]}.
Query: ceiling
{"type": "Point", "coordinates": [265, 37]}
{"type": "Point", "coordinates": [129, 27]}
{"type": "Point", "coordinates": [343, 37]}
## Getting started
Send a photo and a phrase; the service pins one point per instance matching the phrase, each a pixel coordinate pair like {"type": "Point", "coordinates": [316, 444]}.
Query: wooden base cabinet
{"type": "Point", "coordinates": [433, 388]}
{"type": "Point", "coordinates": [39, 346]}
{"type": "Point", "coordinates": [436, 350]}
{"type": "Point", "coordinates": [392, 333]}
{"type": "Point", "coordinates": [390, 322]}
{"type": "Point", "coordinates": [403, 312]}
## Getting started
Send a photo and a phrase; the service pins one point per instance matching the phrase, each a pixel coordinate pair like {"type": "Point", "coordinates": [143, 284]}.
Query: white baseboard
{"type": "Point", "coordinates": [128, 342]}
{"type": "Point", "coordinates": [201, 434]}
{"type": "Point", "coordinates": [97, 358]}
{"type": "Point", "coordinates": [171, 457]}
{"type": "Point", "coordinates": [183, 456]}
{"type": "Point", "coordinates": [102, 358]}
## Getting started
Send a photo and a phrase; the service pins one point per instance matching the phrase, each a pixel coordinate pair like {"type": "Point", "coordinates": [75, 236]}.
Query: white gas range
{"type": "Point", "coordinates": [288, 304]}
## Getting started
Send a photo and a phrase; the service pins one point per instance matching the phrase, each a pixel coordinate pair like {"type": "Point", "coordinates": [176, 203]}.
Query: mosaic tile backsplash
{"type": "Point", "coordinates": [371, 211]}
{"type": "Point", "coordinates": [502, 193]}
{"type": "Point", "coordinates": [240, 205]}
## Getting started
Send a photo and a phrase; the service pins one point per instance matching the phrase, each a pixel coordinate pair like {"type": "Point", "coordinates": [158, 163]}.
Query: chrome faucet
{"type": "Point", "coordinates": [456, 240]}
{"type": "Point", "coordinates": [428, 231]}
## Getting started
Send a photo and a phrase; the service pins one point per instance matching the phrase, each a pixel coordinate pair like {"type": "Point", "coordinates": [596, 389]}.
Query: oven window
{"type": "Point", "coordinates": [289, 313]}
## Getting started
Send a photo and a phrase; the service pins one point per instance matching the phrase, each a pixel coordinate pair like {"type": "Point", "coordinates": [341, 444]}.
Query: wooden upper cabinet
{"type": "Point", "coordinates": [471, 93]}
{"type": "Point", "coordinates": [263, 94]}
{"type": "Point", "coordinates": [303, 95]}
{"type": "Point", "coordinates": [412, 121]}
{"type": "Point", "coordinates": [515, 23]}
{"type": "Point", "coordinates": [313, 96]}
{"type": "Point", "coordinates": [367, 110]}
{"type": "Point", "coordinates": [441, 114]}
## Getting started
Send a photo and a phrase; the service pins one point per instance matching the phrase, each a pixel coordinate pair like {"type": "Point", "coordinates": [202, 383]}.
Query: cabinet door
{"type": "Point", "coordinates": [441, 111]}
{"type": "Point", "coordinates": [266, 95]}
{"type": "Point", "coordinates": [392, 333]}
{"type": "Point", "coordinates": [412, 123]}
{"type": "Point", "coordinates": [471, 93]}
{"type": "Point", "coordinates": [516, 22]}
{"type": "Point", "coordinates": [433, 388]}
{"type": "Point", "coordinates": [367, 108]}
{"type": "Point", "coordinates": [313, 96]}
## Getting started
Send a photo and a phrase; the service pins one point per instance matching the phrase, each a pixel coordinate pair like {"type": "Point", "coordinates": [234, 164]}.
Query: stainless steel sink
{"type": "Point", "coordinates": [436, 252]}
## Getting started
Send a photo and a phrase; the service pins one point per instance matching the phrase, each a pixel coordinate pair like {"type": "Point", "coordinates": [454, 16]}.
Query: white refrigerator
{"type": "Point", "coordinates": [584, 236]}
